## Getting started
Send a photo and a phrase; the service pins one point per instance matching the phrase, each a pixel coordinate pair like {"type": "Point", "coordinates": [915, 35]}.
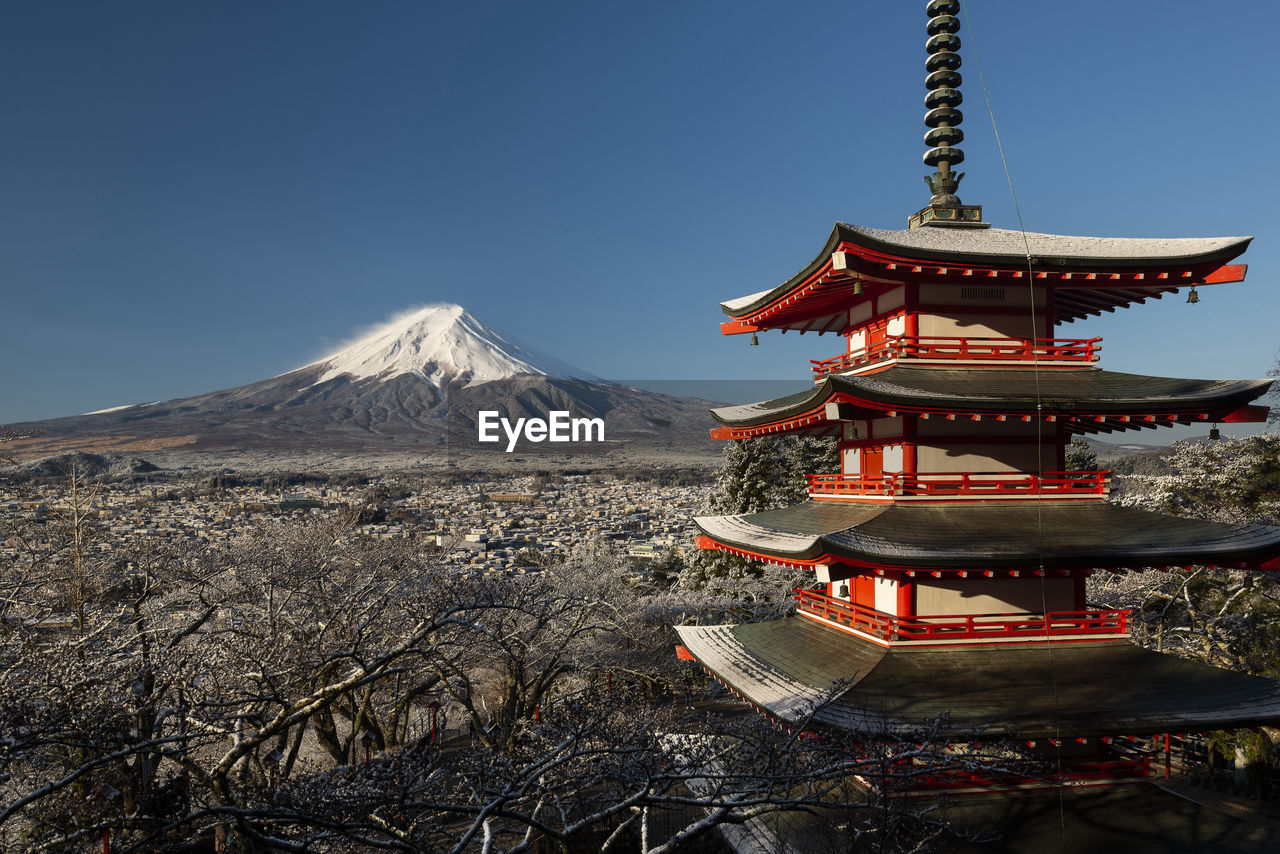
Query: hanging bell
{"type": "Point", "coordinates": [1214, 433]}
{"type": "Point", "coordinates": [857, 287]}
{"type": "Point", "coordinates": [755, 341]}
{"type": "Point", "coordinates": [1193, 297]}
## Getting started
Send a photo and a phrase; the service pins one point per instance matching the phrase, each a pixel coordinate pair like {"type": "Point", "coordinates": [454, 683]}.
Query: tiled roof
{"type": "Point", "coordinates": [1002, 246]}
{"type": "Point", "coordinates": [796, 668]}
{"type": "Point", "coordinates": [1055, 534]}
{"type": "Point", "coordinates": [1064, 248]}
{"type": "Point", "coordinates": [1007, 390]}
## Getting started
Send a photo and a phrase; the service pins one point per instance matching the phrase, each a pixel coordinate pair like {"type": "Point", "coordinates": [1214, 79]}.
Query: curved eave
{"type": "Point", "coordinates": [996, 535]}
{"type": "Point", "coordinates": [1093, 274]}
{"type": "Point", "coordinates": [1088, 399]}
{"type": "Point", "coordinates": [802, 672]}
{"type": "Point", "coordinates": [996, 246]}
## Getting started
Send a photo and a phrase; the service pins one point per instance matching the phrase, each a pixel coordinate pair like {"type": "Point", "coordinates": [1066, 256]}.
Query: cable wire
{"type": "Point", "coordinates": [1039, 420]}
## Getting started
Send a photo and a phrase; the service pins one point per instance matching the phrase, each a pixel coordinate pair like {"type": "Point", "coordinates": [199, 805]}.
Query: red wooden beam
{"type": "Point", "coordinates": [1227, 273]}
{"type": "Point", "coordinates": [737, 327]}
{"type": "Point", "coordinates": [1270, 565]}
{"type": "Point", "coordinates": [707, 543]}
{"type": "Point", "coordinates": [1252, 414]}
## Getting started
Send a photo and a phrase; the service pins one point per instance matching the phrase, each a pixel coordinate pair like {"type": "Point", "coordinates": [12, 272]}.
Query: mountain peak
{"type": "Point", "coordinates": [442, 343]}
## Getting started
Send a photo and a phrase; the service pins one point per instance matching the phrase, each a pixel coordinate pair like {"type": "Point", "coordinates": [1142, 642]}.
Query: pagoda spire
{"type": "Point", "coordinates": [943, 120]}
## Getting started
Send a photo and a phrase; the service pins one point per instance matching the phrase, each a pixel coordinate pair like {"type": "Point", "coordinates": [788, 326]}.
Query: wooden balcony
{"type": "Point", "coordinates": [1004, 352]}
{"type": "Point", "coordinates": [949, 486]}
{"type": "Point", "coordinates": [962, 628]}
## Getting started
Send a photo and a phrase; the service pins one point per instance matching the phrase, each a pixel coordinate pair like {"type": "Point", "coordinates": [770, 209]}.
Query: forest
{"type": "Point", "coordinates": [310, 688]}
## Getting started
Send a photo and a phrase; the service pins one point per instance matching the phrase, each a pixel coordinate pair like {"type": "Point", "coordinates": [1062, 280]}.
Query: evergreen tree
{"type": "Point", "coordinates": [798, 456]}
{"type": "Point", "coordinates": [746, 478]}
{"type": "Point", "coordinates": [763, 473]}
{"type": "Point", "coordinates": [1080, 457]}
{"type": "Point", "coordinates": [757, 474]}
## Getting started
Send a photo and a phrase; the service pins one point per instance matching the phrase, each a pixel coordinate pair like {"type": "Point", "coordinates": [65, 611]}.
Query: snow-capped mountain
{"type": "Point", "coordinates": [445, 345]}
{"type": "Point", "coordinates": [417, 380]}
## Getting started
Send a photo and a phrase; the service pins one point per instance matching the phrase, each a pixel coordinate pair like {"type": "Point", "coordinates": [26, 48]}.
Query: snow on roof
{"type": "Point", "coordinates": [1003, 241]}
{"type": "Point", "coordinates": [783, 696]}
{"type": "Point", "coordinates": [976, 244]}
{"type": "Point", "coordinates": [740, 302]}
{"type": "Point", "coordinates": [991, 534]}
{"type": "Point", "coordinates": [797, 667]}
{"type": "Point", "coordinates": [1090, 390]}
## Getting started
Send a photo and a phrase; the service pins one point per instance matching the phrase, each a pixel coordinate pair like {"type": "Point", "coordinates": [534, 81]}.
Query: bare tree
{"type": "Point", "coordinates": [281, 693]}
{"type": "Point", "coordinates": [1225, 617]}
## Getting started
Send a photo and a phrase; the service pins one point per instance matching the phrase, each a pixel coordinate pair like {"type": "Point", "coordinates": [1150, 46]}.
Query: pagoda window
{"type": "Point", "coordinates": [896, 326]}
{"type": "Point", "coordinates": [983, 294]}
{"type": "Point", "coordinates": [1002, 296]}
{"type": "Point", "coordinates": [858, 341]}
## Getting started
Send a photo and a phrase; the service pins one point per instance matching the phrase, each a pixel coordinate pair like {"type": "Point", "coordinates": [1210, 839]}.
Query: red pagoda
{"type": "Point", "coordinates": [951, 550]}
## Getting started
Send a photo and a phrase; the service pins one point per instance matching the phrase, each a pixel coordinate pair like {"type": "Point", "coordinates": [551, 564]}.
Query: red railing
{"type": "Point", "coordinates": [972, 484]}
{"type": "Point", "coordinates": [1111, 769]}
{"type": "Point", "coordinates": [960, 627]}
{"type": "Point", "coordinates": [964, 349]}
{"type": "Point", "coordinates": [1079, 773]}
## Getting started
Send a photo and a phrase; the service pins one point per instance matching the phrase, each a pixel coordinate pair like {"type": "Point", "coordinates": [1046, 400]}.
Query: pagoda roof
{"type": "Point", "coordinates": [996, 244]}
{"type": "Point", "coordinates": [1093, 399]}
{"type": "Point", "coordinates": [1114, 271]}
{"type": "Point", "coordinates": [988, 535]}
{"type": "Point", "coordinates": [797, 667]}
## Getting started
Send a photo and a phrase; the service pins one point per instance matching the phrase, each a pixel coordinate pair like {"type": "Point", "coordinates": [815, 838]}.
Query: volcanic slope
{"type": "Point", "coordinates": [410, 383]}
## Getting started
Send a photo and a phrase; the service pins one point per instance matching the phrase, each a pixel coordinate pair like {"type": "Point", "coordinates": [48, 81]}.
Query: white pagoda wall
{"type": "Point", "coordinates": [1005, 446]}
{"type": "Point", "coordinates": [938, 597]}
{"type": "Point", "coordinates": [865, 310]}
{"type": "Point", "coordinates": [980, 458]}
{"type": "Point", "coordinates": [878, 428]}
{"type": "Point", "coordinates": [980, 326]}
{"type": "Point", "coordinates": [938, 315]}
{"type": "Point", "coordinates": [886, 596]}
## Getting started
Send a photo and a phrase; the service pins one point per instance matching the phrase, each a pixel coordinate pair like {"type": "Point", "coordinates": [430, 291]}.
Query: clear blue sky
{"type": "Point", "coordinates": [198, 195]}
